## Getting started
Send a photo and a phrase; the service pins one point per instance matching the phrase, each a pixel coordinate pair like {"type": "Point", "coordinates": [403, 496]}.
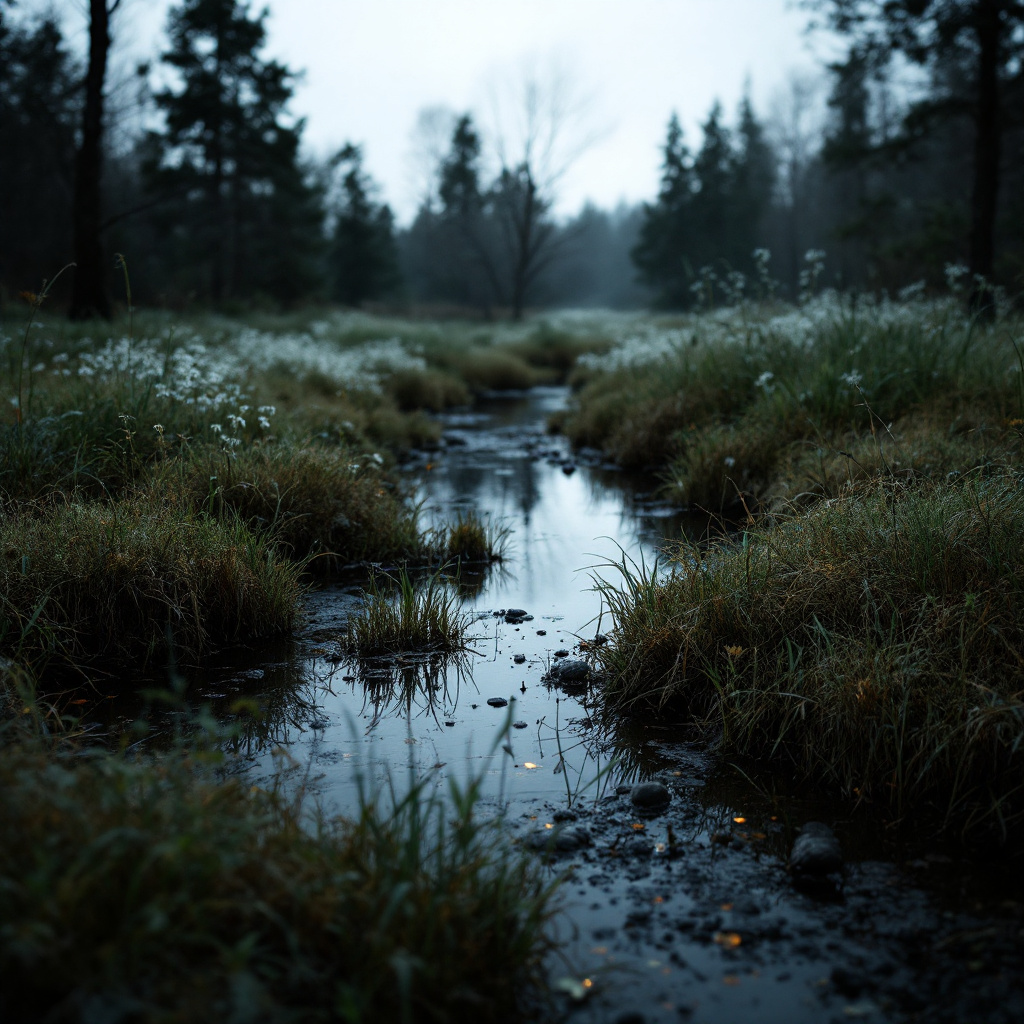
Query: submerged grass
{"type": "Point", "coordinates": [873, 643]}
{"type": "Point", "coordinates": [159, 889]}
{"type": "Point", "coordinates": [468, 538]}
{"type": "Point", "coordinates": [400, 616]}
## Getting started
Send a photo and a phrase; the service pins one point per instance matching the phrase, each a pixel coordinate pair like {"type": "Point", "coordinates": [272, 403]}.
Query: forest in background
{"type": "Point", "coordinates": [916, 171]}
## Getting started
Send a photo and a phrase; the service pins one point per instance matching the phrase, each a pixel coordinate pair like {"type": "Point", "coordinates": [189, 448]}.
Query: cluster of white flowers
{"type": "Point", "coordinates": [356, 368]}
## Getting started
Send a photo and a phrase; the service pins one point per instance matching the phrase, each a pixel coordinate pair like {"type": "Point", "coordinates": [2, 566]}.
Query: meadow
{"type": "Point", "coordinates": [176, 485]}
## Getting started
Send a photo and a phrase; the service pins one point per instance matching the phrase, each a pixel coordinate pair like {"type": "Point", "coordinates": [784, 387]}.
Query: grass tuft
{"type": "Point", "coordinates": [403, 617]}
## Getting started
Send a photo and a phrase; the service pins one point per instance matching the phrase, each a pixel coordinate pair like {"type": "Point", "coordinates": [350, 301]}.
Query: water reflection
{"type": "Point", "coordinates": [355, 719]}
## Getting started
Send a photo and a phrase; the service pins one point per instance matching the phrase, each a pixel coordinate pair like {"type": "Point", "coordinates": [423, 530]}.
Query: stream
{"type": "Point", "coordinates": [685, 914]}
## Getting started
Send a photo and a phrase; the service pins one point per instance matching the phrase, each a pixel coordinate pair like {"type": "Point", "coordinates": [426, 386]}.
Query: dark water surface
{"type": "Point", "coordinates": [686, 916]}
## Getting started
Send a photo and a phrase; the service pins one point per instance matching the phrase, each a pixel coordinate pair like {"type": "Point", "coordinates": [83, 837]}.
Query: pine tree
{"type": "Point", "coordinates": [40, 104]}
{"type": "Point", "coordinates": [244, 215]}
{"type": "Point", "coordinates": [363, 258]}
{"type": "Point", "coordinates": [661, 252]}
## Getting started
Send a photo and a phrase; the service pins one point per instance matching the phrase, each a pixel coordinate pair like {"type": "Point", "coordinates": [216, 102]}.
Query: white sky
{"type": "Point", "coordinates": [370, 66]}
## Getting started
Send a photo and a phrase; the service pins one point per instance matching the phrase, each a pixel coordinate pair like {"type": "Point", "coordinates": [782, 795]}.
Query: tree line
{"type": "Point", "coordinates": [917, 167]}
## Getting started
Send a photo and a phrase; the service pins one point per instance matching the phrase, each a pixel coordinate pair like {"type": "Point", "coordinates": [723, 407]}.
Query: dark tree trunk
{"type": "Point", "coordinates": [987, 140]}
{"type": "Point", "coordinates": [89, 297]}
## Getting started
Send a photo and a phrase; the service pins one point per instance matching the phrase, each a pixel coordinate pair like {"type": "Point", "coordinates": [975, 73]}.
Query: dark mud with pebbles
{"type": "Point", "coordinates": [688, 911]}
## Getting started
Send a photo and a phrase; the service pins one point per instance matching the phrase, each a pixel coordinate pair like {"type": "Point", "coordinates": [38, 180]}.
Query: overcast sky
{"type": "Point", "coordinates": [370, 66]}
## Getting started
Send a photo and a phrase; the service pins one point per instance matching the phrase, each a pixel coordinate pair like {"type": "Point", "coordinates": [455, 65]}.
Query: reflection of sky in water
{"type": "Point", "coordinates": [563, 526]}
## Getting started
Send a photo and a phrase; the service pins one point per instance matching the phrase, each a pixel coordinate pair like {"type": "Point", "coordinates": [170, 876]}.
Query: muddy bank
{"type": "Point", "coordinates": [690, 912]}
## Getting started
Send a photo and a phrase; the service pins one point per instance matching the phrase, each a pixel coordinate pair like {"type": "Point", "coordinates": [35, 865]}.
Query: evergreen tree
{"type": "Point", "coordinates": [39, 113]}
{"type": "Point", "coordinates": [661, 252]}
{"type": "Point", "coordinates": [754, 179]}
{"type": "Point", "coordinates": [244, 216]}
{"type": "Point", "coordinates": [363, 257]}
{"type": "Point", "coordinates": [983, 42]}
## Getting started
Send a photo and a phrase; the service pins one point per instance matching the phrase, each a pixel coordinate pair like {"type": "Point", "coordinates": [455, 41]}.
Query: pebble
{"type": "Point", "coordinates": [561, 654]}
{"type": "Point", "coordinates": [497, 702]}
{"type": "Point", "coordinates": [570, 671]}
{"type": "Point", "coordinates": [816, 851]}
{"type": "Point", "coordinates": [566, 839]}
{"type": "Point", "coordinates": [519, 659]}
{"type": "Point", "coordinates": [518, 725]}
{"type": "Point", "coordinates": [649, 796]}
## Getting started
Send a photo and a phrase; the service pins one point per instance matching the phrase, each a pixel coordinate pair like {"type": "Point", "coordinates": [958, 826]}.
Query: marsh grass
{"type": "Point", "coordinates": [325, 505]}
{"type": "Point", "coordinates": [468, 539]}
{"type": "Point", "coordinates": [872, 643]}
{"type": "Point", "coordinates": [739, 403]}
{"type": "Point", "coordinates": [400, 615]}
{"type": "Point", "coordinates": [159, 888]}
{"type": "Point", "coordinates": [135, 581]}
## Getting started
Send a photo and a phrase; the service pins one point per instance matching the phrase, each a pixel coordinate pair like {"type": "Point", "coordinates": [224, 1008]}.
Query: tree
{"type": "Point", "coordinates": [984, 41]}
{"type": "Point", "coordinates": [39, 112]}
{"type": "Point", "coordinates": [540, 131]}
{"type": "Point", "coordinates": [89, 297]}
{"type": "Point", "coordinates": [245, 216]}
{"type": "Point", "coordinates": [363, 259]}
{"type": "Point", "coordinates": [711, 209]}
{"type": "Point", "coordinates": [660, 254]}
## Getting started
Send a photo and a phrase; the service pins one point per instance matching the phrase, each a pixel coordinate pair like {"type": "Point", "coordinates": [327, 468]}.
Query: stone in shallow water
{"type": "Point", "coordinates": [650, 796]}
{"type": "Point", "coordinates": [497, 702]}
{"type": "Point", "coordinates": [570, 671]}
{"type": "Point", "coordinates": [816, 852]}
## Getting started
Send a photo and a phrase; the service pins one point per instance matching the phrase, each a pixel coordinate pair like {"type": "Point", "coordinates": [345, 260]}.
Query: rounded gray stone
{"type": "Point", "coordinates": [649, 796]}
{"type": "Point", "coordinates": [816, 851]}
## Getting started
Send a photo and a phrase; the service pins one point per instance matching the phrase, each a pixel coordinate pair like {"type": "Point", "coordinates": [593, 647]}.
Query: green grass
{"type": "Point", "coordinates": [468, 539]}
{"type": "Point", "coordinates": [159, 889]}
{"type": "Point", "coordinates": [326, 505]}
{"type": "Point", "coordinates": [741, 403]}
{"type": "Point", "coordinates": [136, 581]}
{"type": "Point", "coordinates": [400, 616]}
{"type": "Point", "coordinates": [872, 643]}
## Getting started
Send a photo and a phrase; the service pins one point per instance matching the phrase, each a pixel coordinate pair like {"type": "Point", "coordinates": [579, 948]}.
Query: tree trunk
{"type": "Point", "coordinates": [987, 140]}
{"type": "Point", "coordinates": [89, 297]}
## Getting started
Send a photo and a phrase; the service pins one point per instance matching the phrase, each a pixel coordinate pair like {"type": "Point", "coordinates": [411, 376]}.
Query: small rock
{"type": "Point", "coordinates": [449, 724]}
{"type": "Point", "coordinates": [565, 839]}
{"type": "Point", "coordinates": [542, 632]}
{"type": "Point", "coordinates": [518, 725]}
{"type": "Point", "coordinates": [650, 796]}
{"type": "Point", "coordinates": [561, 654]}
{"type": "Point", "coordinates": [519, 659]}
{"type": "Point", "coordinates": [571, 671]}
{"type": "Point", "coordinates": [816, 852]}
{"type": "Point", "coordinates": [515, 613]}
{"type": "Point", "coordinates": [497, 702]}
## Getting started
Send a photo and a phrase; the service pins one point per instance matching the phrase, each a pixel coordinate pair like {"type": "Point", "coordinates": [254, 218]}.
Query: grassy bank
{"type": "Point", "coordinates": [136, 582]}
{"type": "Point", "coordinates": [194, 463]}
{"type": "Point", "coordinates": [872, 643]}
{"type": "Point", "coordinates": [160, 889]}
{"type": "Point", "coordinates": [783, 405]}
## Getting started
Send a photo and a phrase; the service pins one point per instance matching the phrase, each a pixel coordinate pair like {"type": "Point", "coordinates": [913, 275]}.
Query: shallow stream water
{"type": "Point", "coordinates": [687, 915]}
